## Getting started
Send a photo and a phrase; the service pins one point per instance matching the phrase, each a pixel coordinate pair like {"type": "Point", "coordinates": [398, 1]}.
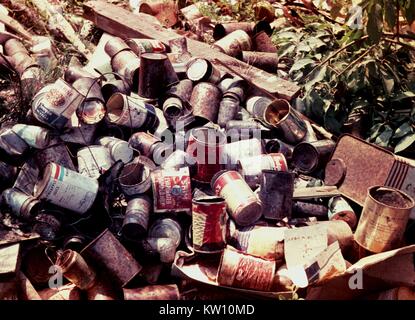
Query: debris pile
{"type": "Point", "coordinates": [153, 172]}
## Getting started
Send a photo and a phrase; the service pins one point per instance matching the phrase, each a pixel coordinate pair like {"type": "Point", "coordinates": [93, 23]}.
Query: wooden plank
{"type": "Point", "coordinates": [125, 24]}
{"type": "Point", "coordinates": [9, 260]}
{"type": "Point", "coordinates": [316, 192]}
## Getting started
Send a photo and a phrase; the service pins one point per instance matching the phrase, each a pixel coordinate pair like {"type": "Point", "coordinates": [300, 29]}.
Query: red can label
{"type": "Point", "coordinates": [172, 190]}
{"type": "Point", "coordinates": [224, 179]}
{"type": "Point", "coordinates": [209, 226]}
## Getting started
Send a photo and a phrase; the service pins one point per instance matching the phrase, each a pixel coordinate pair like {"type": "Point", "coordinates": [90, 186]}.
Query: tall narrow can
{"type": "Point", "coordinates": [66, 188]}
{"type": "Point", "coordinates": [137, 216]}
{"type": "Point", "coordinates": [241, 201]}
{"type": "Point", "coordinates": [209, 224]}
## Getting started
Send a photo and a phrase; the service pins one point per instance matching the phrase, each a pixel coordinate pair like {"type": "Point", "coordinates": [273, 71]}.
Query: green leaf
{"type": "Point", "coordinates": [390, 13]}
{"type": "Point", "coordinates": [374, 23]}
{"type": "Point", "coordinates": [403, 130]}
{"type": "Point", "coordinates": [387, 81]}
{"type": "Point", "coordinates": [405, 142]}
{"type": "Point", "coordinates": [383, 139]}
{"type": "Point", "coordinates": [301, 64]}
{"type": "Point", "coordinates": [410, 11]}
{"type": "Point", "coordinates": [316, 77]}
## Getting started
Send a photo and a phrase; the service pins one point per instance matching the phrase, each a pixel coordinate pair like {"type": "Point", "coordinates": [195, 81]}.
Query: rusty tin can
{"type": "Point", "coordinates": [127, 64]}
{"type": "Point", "coordinates": [66, 188]}
{"type": "Point", "coordinates": [75, 242]}
{"type": "Point", "coordinates": [242, 203]}
{"type": "Point", "coordinates": [110, 255]}
{"type": "Point", "coordinates": [209, 224]}
{"type": "Point", "coordinates": [263, 60]}
{"type": "Point", "coordinates": [251, 167]}
{"type": "Point", "coordinates": [311, 156]}
{"type": "Point", "coordinates": [137, 216]}
{"type": "Point", "coordinates": [222, 29]}
{"type": "Point", "coordinates": [94, 161]}
{"type": "Point", "coordinates": [182, 90]}
{"type": "Point", "coordinates": [276, 194]}
{"type": "Point", "coordinates": [277, 146]}
{"type": "Point", "coordinates": [76, 270]}
{"type": "Point", "coordinates": [156, 292]}
{"type": "Point", "coordinates": [55, 104]}
{"type": "Point", "coordinates": [135, 177]}
{"type": "Point", "coordinates": [340, 209]}
{"type": "Point", "coordinates": [205, 146]}
{"type": "Point", "coordinates": [116, 86]}
{"type": "Point", "coordinates": [262, 42]}
{"type": "Point", "coordinates": [228, 109]}
{"type": "Point", "coordinates": [152, 81]}
{"type": "Point", "coordinates": [234, 43]}
{"type": "Point", "coordinates": [134, 113]}
{"type": "Point", "coordinates": [172, 108]}
{"type": "Point", "coordinates": [205, 101]}
{"type": "Point", "coordinates": [21, 204]}
{"type": "Point", "coordinates": [241, 270]}
{"type": "Point", "coordinates": [164, 247]}
{"type": "Point", "coordinates": [199, 69]}
{"type": "Point", "coordinates": [281, 115]}
{"type": "Point", "coordinates": [119, 149]}
{"type": "Point", "coordinates": [256, 105]}
{"type": "Point", "coordinates": [114, 46]}
{"type": "Point", "coordinates": [310, 209]}
{"type": "Point", "coordinates": [140, 46]}
{"type": "Point", "coordinates": [172, 190]}
{"type": "Point", "coordinates": [36, 137]}
{"type": "Point", "coordinates": [384, 218]}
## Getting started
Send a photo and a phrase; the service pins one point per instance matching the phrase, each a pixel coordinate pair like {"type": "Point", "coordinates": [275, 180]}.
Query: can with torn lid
{"type": "Point", "coordinates": [137, 216]}
{"type": "Point", "coordinates": [241, 270]}
{"type": "Point", "coordinates": [75, 269]}
{"type": "Point", "coordinates": [202, 70]}
{"type": "Point", "coordinates": [205, 146]}
{"type": "Point", "coordinates": [209, 224]}
{"type": "Point", "coordinates": [234, 43]}
{"type": "Point", "coordinates": [55, 104]}
{"type": "Point", "coordinates": [119, 149]}
{"type": "Point", "coordinates": [66, 188]}
{"type": "Point", "coordinates": [242, 203]}
{"type": "Point", "coordinates": [384, 218]}
{"type": "Point", "coordinates": [172, 190]}
{"type": "Point", "coordinates": [311, 156]}
{"type": "Point", "coordinates": [135, 177]}
{"type": "Point", "coordinates": [340, 209]}
{"type": "Point", "coordinates": [94, 161]}
{"type": "Point", "coordinates": [36, 137]}
{"type": "Point", "coordinates": [276, 194]}
{"type": "Point", "coordinates": [205, 101]}
{"type": "Point", "coordinates": [107, 253]}
{"type": "Point", "coordinates": [140, 46]}
{"type": "Point", "coordinates": [287, 120]}
{"type": "Point", "coordinates": [251, 167]}
{"type": "Point", "coordinates": [21, 204]}
{"type": "Point", "coordinates": [155, 292]}
{"type": "Point", "coordinates": [129, 112]}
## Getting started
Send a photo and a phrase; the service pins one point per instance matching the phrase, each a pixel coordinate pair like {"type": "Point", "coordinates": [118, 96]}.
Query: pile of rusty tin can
{"type": "Point", "coordinates": [172, 179]}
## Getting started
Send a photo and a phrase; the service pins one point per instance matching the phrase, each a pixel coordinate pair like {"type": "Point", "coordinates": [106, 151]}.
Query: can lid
{"type": "Point", "coordinates": [335, 172]}
{"type": "Point", "coordinates": [198, 69]}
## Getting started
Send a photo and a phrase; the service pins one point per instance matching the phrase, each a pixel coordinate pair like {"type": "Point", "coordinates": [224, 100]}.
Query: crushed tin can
{"type": "Point", "coordinates": [209, 219]}
{"type": "Point", "coordinates": [55, 104]}
{"type": "Point", "coordinates": [66, 188]}
{"type": "Point", "coordinates": [119, 149]}
{"type": "Point", "coordinates": [202, 70]}
{"type": "Point", "coordinates": [205, 145]}
{"type": "Point", "coordinates": [311, 156]}
{"type": "Point", "coordinates": [340, 209]}
{"type": "Point", "coordinates": [34, 136]}
{"type": "Point", "coordinates": [241, 270]}
{"type": "Point", "coordinates": [140, 46]}
{"type": "Point", "coordinates": [156, 292]}
{"type": "Point", "coordinates": [223, 29]}
{"type": "Point", "coordinates": [134, 113]}
{"type": "Point", "coordinates": [137, 216]}
{"type": "Point", "coordinates": [251, 167]}
{"type": "Point", "coordinates": [263, 60]}
{"type": "Point", "coordinates": [262, 42]}
{"type": "Point", "coordinates": [242, 203]}
{"type": "Point", "coordinates": [21, 204]}
{"type": "Point", "coordinates": [205, 101]}
{"type": "Point", "coordinates": [172, 190]}
{"type": "Point", "coordinates": [75, 269]}
{"type": "Point", "coordinates": [234, 43]}
{"type": "Point", "coordinates": [94, 161]}
{"type": "Point", "coordinates": [135, 177]}
{"type": "Point", "coordinates": [276, 194]}
{"type": "Point", "coordinates": [384, 218]}
{"type": "Point", "coordinates": [106, 252]}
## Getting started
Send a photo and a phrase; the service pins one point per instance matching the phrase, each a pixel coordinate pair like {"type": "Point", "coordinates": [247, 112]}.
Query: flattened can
{"type": "Point", "coordinates": [137, 216]}
{"type": "Point", "coordinates": [340, 209]}
{"type": "Point", "coordinates": [55, 104]}
{"type": "Point", "coordinates": [66, 188]}
{"type": "Point", "coordinates": [156, 292]}
{"type": "Point", "coordinates": [251, 167]}
{"type": "Point", "coordinates": [241, 201]}
{"type": "Point", "coordinates": [241, 270]}
{"type": "Point", "coordinates": [209, 224]}
{"type": "Point", "coordinates": [172, 190]}
{"type": "Point", "coordinates": [94, 160]}
{"type": "Point", "coordinates": [119, 149]}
